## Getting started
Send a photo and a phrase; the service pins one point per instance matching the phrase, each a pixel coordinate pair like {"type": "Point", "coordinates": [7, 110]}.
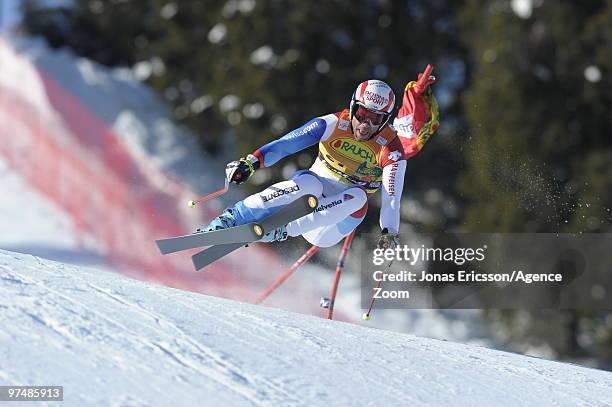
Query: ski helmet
{"type": "Point", "coordinates": [375, 96]}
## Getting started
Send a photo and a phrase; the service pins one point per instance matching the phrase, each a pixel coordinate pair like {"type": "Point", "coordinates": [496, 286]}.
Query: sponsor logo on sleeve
{"type": "Point", "coordinates": [381, 140]}
{"type": "Point", "coordinates": [392, 175]}
{"type": "Point", "coordinates": [301, 132]}
{"type": "Point", "coordinates": [343, 124]}
{"type": "Point", "coordinates": [405, 126]}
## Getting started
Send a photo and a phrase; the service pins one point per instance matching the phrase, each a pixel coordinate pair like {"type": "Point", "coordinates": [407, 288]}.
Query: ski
{"type": "Point", "coordinates": [242, 234]}
{"type": "Point", "coordinates": [211, 254]}
{"type": "Point", "coordinates": [238, 234]}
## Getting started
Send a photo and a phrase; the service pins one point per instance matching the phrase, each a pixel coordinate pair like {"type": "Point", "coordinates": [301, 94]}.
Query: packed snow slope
{"type": "Point", "coordinates": [112, 341]}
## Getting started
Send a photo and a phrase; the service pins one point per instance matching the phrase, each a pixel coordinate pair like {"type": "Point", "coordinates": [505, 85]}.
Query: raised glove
{"type": "Point", "coordinates": [240, 171]}
{"type": "Point", "coordinates": [388, 240]}
{"type": "Point", "coordinates": [425, 79]}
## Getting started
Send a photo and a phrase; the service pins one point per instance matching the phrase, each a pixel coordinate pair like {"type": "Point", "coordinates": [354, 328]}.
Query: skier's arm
{"type": "Point", "coordinates": [418, 117]}
{"type": "Point", "coordinates": [297, 140]}
{"type": "Point", "coordinates": [391, 191]}
{"type": "Point", "coordinates": [309, 134]}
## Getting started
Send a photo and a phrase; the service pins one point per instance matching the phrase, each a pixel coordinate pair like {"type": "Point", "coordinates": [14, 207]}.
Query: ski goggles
{"type": "Point", "coordinates": [363, 113]}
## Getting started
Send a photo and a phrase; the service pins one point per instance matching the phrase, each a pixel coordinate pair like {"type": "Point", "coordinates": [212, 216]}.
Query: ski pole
{"type": "Point", "coordinates": [305, 257]}
{"type": "Point", "coordinates": [339, 267]}
{"type": "Point", "coordinates": [192, 204]}
{"type": "Point", "coordinates": [366, 316]}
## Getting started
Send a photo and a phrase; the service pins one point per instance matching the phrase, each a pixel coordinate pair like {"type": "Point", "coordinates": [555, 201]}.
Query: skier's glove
{"type": "Point", "coordinates": [388, 240]}
{"type": "Point", "coordinates": [425, 79]}
{"type": "Point", "coordinates": [240, 171]}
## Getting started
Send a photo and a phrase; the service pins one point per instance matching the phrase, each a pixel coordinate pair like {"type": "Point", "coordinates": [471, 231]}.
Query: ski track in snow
{"type": "Point", "coordinates": [179, 346]}
{"type": "Point", "coordinates": [114, 341]}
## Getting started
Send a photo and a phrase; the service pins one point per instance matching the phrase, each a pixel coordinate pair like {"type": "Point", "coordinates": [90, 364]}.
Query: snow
{"type": "Point", "coordinates": [464, 326]}
{"type": "Point", "coordinates": [46, 224]}
{"type": "Point", "coordinates": [112, 341]}
{"type": "Point", "coordinates": [132, 109]}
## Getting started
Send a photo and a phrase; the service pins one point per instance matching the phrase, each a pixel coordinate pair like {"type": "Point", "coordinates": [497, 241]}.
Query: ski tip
{"type": "Point", "coordinates": [197, 263]}
{"type": "Point", "coordinates": [196, 266]}
{"type": "Point", "coordinates": [161, 246]}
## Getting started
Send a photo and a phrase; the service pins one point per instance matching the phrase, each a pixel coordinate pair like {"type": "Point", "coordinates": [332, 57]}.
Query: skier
{"type": "Point", "coordinates": [359, 153]}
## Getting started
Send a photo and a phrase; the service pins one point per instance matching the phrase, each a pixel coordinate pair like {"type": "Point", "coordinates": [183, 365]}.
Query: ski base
{"type": "Point", "coordinates": [212, 254]}
{"type": "Point", "coordinates": [237, 234]}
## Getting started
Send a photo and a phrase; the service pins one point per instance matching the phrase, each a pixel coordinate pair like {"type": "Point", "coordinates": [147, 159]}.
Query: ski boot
{"type": "Point", "coordinates": [227, 219]}
{"type": "Point", "coordinates": [277, 235]}
{"type": "Point", "coordinates": [223, 221]}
